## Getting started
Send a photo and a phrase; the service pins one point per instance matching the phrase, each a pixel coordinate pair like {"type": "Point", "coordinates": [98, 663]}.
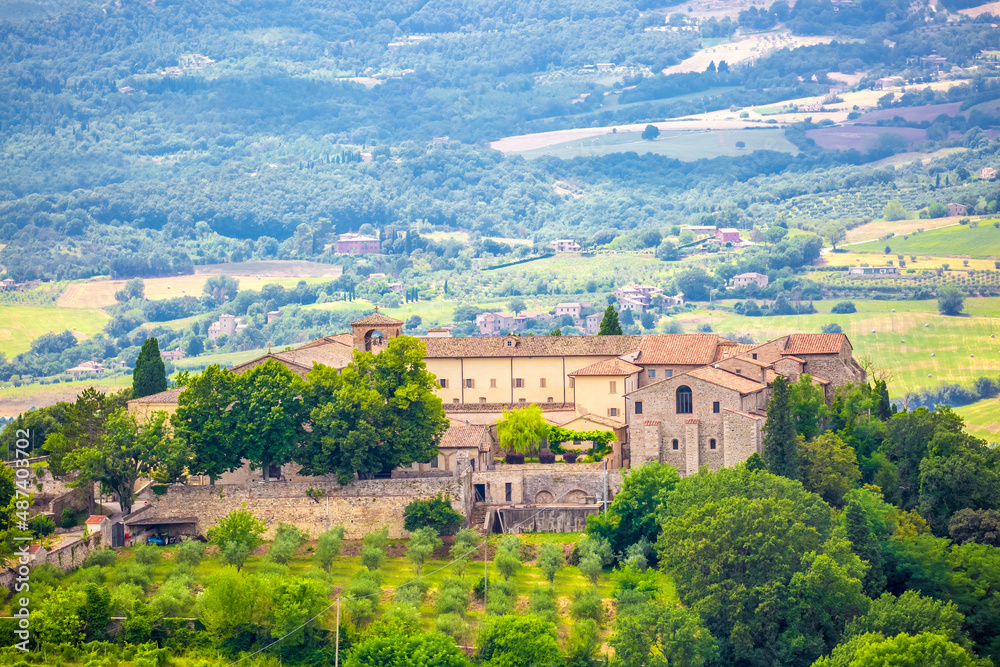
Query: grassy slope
{"type": "Point", "coordinates": [961, 240]}
{"type": "Point", "coordinates": [19, 325]}
{"type": "Point", "coordinates": [680, 145]}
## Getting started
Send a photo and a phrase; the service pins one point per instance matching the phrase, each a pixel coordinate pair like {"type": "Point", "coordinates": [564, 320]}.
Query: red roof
{"type": "Point", "coordinates": [723, 378]}
{"type": "Point", "coordinates": [95, 518]}
{"type": "Point", "coordinates": [611, 367]}
{"type": "Point", "coordinates": [815, 343]}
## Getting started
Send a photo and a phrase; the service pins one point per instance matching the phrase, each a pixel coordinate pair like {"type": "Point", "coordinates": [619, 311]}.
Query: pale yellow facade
{"type": "Point", "coordinates": [603, 395]}
{"type": "Point", "coordinates": [514, 380]}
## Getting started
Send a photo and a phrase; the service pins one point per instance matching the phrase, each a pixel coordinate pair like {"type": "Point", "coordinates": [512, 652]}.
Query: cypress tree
{"type": "Point", "coordinates": [781, 447]}
{"type": "Point", "coordinates": [610, 325]}
{"type": "Point", "coordinates": [150, 375]}
{"type": "Point", "coordinates": [884, 409]}
{"type": "Point", "coordinates": [865, 546]}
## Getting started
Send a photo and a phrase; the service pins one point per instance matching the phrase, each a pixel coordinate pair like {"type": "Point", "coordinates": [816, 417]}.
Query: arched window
{"type": "Point", "coordinates": [675, 444]}
{"type": "Point", "coordinates": [711, 443]}
{"type": "Point", "coordinates": [684, 402]}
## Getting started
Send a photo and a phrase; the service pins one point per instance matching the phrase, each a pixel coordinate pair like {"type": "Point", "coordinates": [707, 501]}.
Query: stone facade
{"type": "Point", "coordinates": [361, 507]}
{"type": "Point", "coordinates": [544, 484]}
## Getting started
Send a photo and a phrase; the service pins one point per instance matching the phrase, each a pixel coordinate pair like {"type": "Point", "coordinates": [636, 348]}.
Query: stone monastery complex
{"type": "Point", "coordinates": [689, 400]}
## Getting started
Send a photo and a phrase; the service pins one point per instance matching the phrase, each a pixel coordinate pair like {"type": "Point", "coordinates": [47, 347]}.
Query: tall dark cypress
{"type": "Point", "coordinates": [610, 325]}
{"type": "Point", "coordinates": [865, 546]}
{"type": "Point", "coordinates": [781, 447]}
{"type": "Point", "coordinates": [150, 375]}
{"type": "Point", "coordinates": [884, 409]}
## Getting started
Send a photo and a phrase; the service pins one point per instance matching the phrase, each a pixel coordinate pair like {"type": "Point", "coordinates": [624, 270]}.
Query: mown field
{"type": "Point", "coordinates": [878, 228]}
{"type": "Point", "coordinates": [982, 419]}
{"type": "Point", "coordinates": [681, 145]}
{"type": "Point", "coordinates": [958, 240]}
{"type": "Point", "coordinates": [19, 325]}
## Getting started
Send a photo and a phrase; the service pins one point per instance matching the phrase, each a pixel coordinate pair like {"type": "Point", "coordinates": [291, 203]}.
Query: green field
{"type": "Point", "coordinates": [19, 325]}
{"type": "Point", "coordinates": [982, 419]}
{"type": "Point", "coordinates": [956, 240]}
{"type": "Point", "coordinates": [901, 343]}
{"type": "Point", "coordinates": [685, 145]}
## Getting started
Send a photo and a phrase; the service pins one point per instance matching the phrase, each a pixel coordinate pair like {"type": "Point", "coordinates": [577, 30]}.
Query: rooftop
{"type": "Point", "coordinates": [722, 378]}
{"type": "Point", "coordinates": [376, 319]}
{"type": "Point", "coordinates": [611, 367]}
{"type": "Point", "coordinates": [814, 343]}
{"type": "Point", "coordinates": [168, 396]}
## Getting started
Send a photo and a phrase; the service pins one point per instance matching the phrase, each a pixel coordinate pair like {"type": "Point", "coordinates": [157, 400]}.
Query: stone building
{"type": "Point", "coordinates": [744, 279]}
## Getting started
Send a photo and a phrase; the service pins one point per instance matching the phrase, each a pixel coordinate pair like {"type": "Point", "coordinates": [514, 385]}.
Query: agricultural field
{"type": "Point", "coordinates": [913, 114]}
{"type": "Point", "coordinates": [19, 325]}
{"type": "Point", "coordinates": [862, 137]}
{"type": "Point", "coordinates": [750, 48]}
{"type": "Point", "coordinates": [903, 159]}
{"type": "Point", "coordinates": [290, 268]}
{"type": "Point", "coordinates": [922, 262]}
{"type": "Point", "coordinates": [101, 293]}
{"type": "Point", "coordinates": [15, 400]}
{"type": "Point", "coordinates": [988, 8]}
{"type": "Point", "coordinates": [982, 419]}
{"type": "Point", "coordinates": [876, 229]}
{"type": "Point", "coordinates": [982, 241]}
{"type": "Point", "coordinates": [903, 342]}
{"type": "Point", "coordinates": [679, 144]}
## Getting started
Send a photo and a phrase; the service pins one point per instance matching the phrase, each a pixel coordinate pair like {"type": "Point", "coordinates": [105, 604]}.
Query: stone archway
{"type": "Point", "coordinates": [544, 498]}
{"type": "Point", "coordinates": [577, 497]}
{"type": "Point", "coordinates": [372, 328]}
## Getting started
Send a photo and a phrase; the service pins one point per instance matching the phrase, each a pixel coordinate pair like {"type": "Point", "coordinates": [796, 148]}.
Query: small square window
{"type": "Point", "coordinates": [638, 407]}
{"type": "Point", "coordinates": [739, 371]}
{"type": "Point", "coordinates": [668, 373]}
{"type": "Point", "coordinates": [572, 383]}
{"type": "Point", "coordinates": [612, 412]}
{"type": "Point", "coordinates": [518, 382]}
{"type": "Point", "coordinates": [482, 399]}
{"type": "Point", "coordinates": [651, 373]}
{"type": "Point", "coordinates": [522, 400]}
{"type": "Point", "coordinates": [549, 399]}
{"type": "Point", "coordinates": [715, 406]}
{"type": "Point", "coordinates": [434, 463]}
{"type": "Point", "coordinates": [754, 355]}
{"type": "Point", "coordinates": [469, 383]}
{"type": "Point", "coordinates": [493, 383]}
{"type": "Point", "coordinates": [444, 384]}
{"type": "Point", "coordinates": [455, 400]}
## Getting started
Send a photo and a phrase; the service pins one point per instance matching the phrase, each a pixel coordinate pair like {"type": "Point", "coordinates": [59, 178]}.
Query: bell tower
{"type": "Point", "coordinates": [372, 332]}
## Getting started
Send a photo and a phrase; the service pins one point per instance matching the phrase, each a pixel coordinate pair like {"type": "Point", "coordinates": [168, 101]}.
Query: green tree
{"type": "Point", "coordinates": [808, 406]}
{"type": "Point", "coordinates": [684, 639]}
{"type": "Point", "coordinates": [463, 549]}
{"type": "Point", "coordinates": [911, 613]}
{"type": "Point", "coordinates": [295, 600]}
{"type": "Point", "coordinates": [287, 540]}
{"type": "Point", "coordinates": [584, 644]}
{"type": "Point", "coordinates": [951, 300]}
{"type": "Point", "coordinates": [694, 284]}
{"type": "Point", "coordinates": [149, 376]}
{"type": "Point", "coordinates": [650, 132]}
{"type": "Point", "coordinates": [903, 650]}
{"type": "Point", "coordinates": [829, 467]}
{"type": "Point", "coordinates": [894, 211]}
{"type": "Point", "coordinates": [231, 602]}
{"type": "Point", "coordinates": [836, 234]}
{"type": "Point", "coordinates": [518, 641]}
{"type": "Point", "coordinates": [633, 512]}
{"type": "Point", "coordinates": [127, 451]}
{"type": "Point", "coordinates": [780, 450]}
{"type": "Point", "coordinates": [203, 420]}
{"type": "Point", "coordinates": [133, 288]}
{"type": "Point", "coordinates": [237, 534]}
{"type": "Point", "coordinates": [379, 413]}
{"type": "Point", "coordinates": [609, 324]}
{"type": "Point", "coordinates": [508, 556]}
{"type": "Point", "coordinates": [219, 289]}
{"type": "Point", "coordinates": [517, 306]}
{"type": "Point", "coordinates": [423, 542]}
{"type": "Point", "coordinates": [56, 620]}
{"type": "Point", "coordinates": [667, 252]}
{"type": "Point", "coordinates": [373, 548]}
{"type": "Point", "coordinates": [522, 430]}
{"type": "Point", "coordinates": [968, 477]}
{"type": "Point", "coordinates": [395, 649]}
{"type": "Point", "coordinates": [866, 546]}
{"type": "Point", "coordinates": [268, 414]}
{"type": "Point", "coordinates": [328, 546]}
{"type": "Point", "coordinates": [550, 560]}
{"type": "Point", "coordinates": [436, 513]}
{"type": "Point", "coordinates": [96, 611]}
{"type": "Point", "coordinates": [883, 409]}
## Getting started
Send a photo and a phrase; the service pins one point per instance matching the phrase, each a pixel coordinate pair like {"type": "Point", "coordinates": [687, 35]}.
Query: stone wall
{"type": "Point", "coordinates": [550, 520]}
{"type": "Point", "coordinates": [361, 507]}
{"type": "Point", "coordinates": [541, 484]}
{"type": "Point", "coordinates": [742, 436]}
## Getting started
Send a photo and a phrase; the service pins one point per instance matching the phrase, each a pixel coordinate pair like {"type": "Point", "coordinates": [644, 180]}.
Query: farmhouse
{"type": "Point", "coordinates": [573, 309]}
{"type": "Point", "coordinates": [727, 235]}
{"type": "Point", "coordinates": [86, 368]}
{"type": "Point", "coordinates": [7, 284]}
{"type": "Point", "coordinates": [356, 244]}
{"type": "Point", "coordinates": [638, 298]}
{"type": "Point", "coordinates": [957, 209]}
{"type": "Point", "coordinates": [227, 325]}
{"type": "Point", "coordinates": [699, 229]}
{"type": "Point", "coordinates": [874, 271]}
{"type": "Point", "coordinates": [565, 245]}
{"type": "Point", "coordinates": [744, 279]}
{"type": "Point", "coordinates": [989, 173]}
{"type": "Point", "coordinates": [173, 355]}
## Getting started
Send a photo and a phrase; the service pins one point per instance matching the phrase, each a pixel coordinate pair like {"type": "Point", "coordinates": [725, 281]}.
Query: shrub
{"type": "Point", "coordinates": [452, 598]}
{"type": "Point", "coordinates": [831, 328]}
{"type": "Point", "coordinates": [500, 598]}
{"type": "Point", "coordinates": [190, 553]}
{"type": "Point", "coordinates": [131, 572]}
{"type": "Point", "coordinates": [543, 604]}
{"type": "Point", "coordinates": [587, 604]}
{"type": "Point", "coordinates": [147, 554]}
{"type": "Point", "coordinates": [328, 546]}
{"type": "Point", "coordinates": [570, 457]}
{"type": "Point", "coordinates": [287, 540]}
{"type": "Point", "coordinates": [41, 525]}
{"type": "Point", "coordinates": [514, 458]}
{"type": "Point", "coordinates": [545, 457]}
{"type": "Point", "coordinates": [100, 557]}
{"type": "Point", "coordinates": [844, 308]}
{"type": "Point", "coordinates": [436, 513]}
{"type": "Point", "coordinates": [68, 518]}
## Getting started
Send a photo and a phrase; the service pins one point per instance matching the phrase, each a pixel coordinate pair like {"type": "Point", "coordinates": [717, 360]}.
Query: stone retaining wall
{"type": "Point", "coordinates": [361, 507]}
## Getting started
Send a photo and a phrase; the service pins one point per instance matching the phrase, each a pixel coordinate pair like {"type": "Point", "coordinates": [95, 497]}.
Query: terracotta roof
{"type": "Point", "coordinates": [96, 518]}
{"type": "Point", "coordinates": [168, 396]}
{"type": "Point", "coordinates": [615, 367]}
{"type": "Point", "coordinates": [461, 436]}
{"type": "Point", "coordinates": [814, 343]}
{"type": "Point", "coordinates": [785, 355]}
{"type": "Point", "coordinates": [651, 422]}
{"type": "Point", "coordinates": [728, 349]}
{"type": "Point", "coordinates": [744, 414]}
{"type": "Point", "coordinates": [602, 420]}
{"type": "Point", "coordinates": [770, 376]}
{"type": "Point", "coordinates": [376, 319]}
{"type": "Point", "coordinates": [722, 378]}
{"type": "Point", "coordinates": [822, 381]}
{"type": "Point", "coordinates": [678, 349]}
{"type": "Point", "coordinates": [751, 360]}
